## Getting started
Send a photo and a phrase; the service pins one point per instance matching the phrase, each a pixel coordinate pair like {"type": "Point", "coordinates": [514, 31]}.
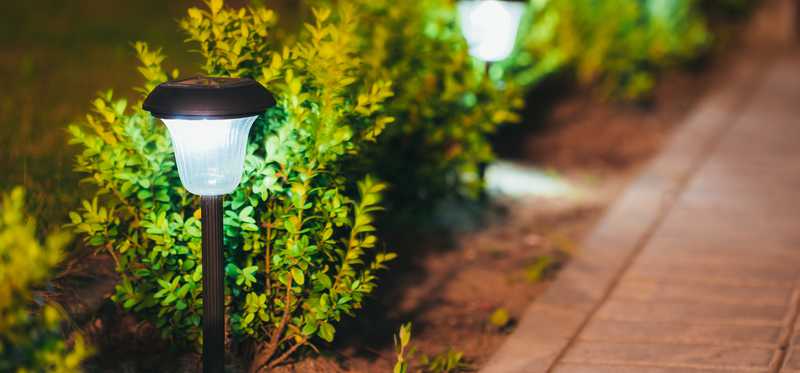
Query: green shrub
{"type": "Point", "coordinates": [618, 44]}
{"type": "Point", "coordinates": [297, 233]}
{"type": "Point", "coordinates": [445, 106]}
{"type": "Point", "coordinates": [30, 340]}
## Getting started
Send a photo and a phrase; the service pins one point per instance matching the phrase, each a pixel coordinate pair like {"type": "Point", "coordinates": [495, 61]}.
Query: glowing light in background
{"type": "Point", "coordinates": [210, 153]}
{"type": "Point", "coordinates": [513, 180]}
{"type": "Point", "coordinates": [490, 27]}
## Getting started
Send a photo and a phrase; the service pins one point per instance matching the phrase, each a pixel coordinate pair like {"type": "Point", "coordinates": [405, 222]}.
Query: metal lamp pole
{"type": "Point", "coordinates": [213, 285]}
{"type": "Point", "coordinates": [208, 121]}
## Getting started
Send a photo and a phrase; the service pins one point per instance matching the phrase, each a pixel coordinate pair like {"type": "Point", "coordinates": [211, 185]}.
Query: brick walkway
{"type": "Point", "coordinates": [697, 267]}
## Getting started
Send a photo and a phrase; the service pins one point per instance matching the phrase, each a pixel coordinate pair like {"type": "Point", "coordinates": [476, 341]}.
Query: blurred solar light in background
{"type": "Point", "coordinates": [490, 27]}
{"type": "Point", "coordinates": [508, 179]}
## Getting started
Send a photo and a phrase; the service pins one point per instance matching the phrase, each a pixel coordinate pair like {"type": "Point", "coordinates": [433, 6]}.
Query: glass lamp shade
{"type": "Point", "coordinates": [210, 152]}
{"type": "Point", "coordinates": [209, 119]}
{"type": "Point", "coordinates": [490, 27]}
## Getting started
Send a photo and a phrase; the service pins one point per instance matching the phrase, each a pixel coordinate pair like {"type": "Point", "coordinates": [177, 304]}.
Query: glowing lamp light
{"type": "Point", "coordinates": [508, 179]}
{"type": "Point", "coordinates": [208, 121]}
{"type": "Point", "coordinates": [210, 152]}
{"type": "Point", "coordinates": [490, 27]}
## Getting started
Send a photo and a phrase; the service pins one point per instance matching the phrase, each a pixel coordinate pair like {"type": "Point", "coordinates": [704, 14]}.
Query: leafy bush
{"type": "Point", "coordinates": [619, 44]}
{"type": "Point", "coordinates": [445, 106]}
{"type": "Point", "coordinates": [30, 340]}
{"type": "Point", "coordinates": [296, 232]}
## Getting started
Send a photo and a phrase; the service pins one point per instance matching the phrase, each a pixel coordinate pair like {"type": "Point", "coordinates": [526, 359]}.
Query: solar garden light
{"type": "Point", "coordinates": [490, 27]}
{"type": "Point", "coordinates": [208, 121]}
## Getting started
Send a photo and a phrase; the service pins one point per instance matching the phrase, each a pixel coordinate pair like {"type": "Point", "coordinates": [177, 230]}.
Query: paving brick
{"type": "Point", "coordinates": [730, 248]}
{"type": "Point", "coordinates": [742, 150]}
{"type": "Point", "coordinates": [695, 313]}
{"type": "Point", "coordinates": [582, 283]}
{"type": "Point", "coordinates": [792, 360]}
{"type": "Point", "coordinates": [698, 228]}
{"type": "Point", "coordinates": [596, 368]}
{"type": "Point", "coordinates": [731, 244]}
{"type": "Point", "coordinates": [766, 191]}
{"type": "Point", "coordinates": [542, 322]}
{"type": "Point", "coordinates": [645, 275]}
{"type": "Point", "coordinates": [680, 332]}
{"type": "Point", "coordinates": [754, 259]}
{"type": "Point", "coordinates": [520, 356]}
{"type": "Point", "coordinates": [610, 247]}
{"type": "Point", "coordinates": [721, 267]}
{"type": "Point", "coordinates": [676, 355]}
{"type": "Point", "coordinates": [724, 278]}
{"type": "Point", "coordinates": [665, 291]}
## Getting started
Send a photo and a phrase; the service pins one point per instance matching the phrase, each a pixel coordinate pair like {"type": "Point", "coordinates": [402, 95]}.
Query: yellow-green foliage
{"type": "Point", "coordinates": [298, 231]}
{"type": "Point", "coordinates": [449, 361]}
{"type": "Point", "coordinates": [30, 337]}
{"type": "Point", "coordinates": [401, 346]}
{"type": "Point", "coordinates": [619, 44]}
{"type": "Point", "coordinates": [445, 105]}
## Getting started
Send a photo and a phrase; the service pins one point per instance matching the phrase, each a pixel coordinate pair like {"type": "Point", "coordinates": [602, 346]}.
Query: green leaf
{"type": "Point", "coordinates": [129, 303]}
{"type": "Point", "coordinates": [309, 329]}
{"type": "Point", "coordinates": [298, 276]}
{"type": "Point", "coordinates": [183, 290]}
{"type": "Point", "coordinates": [244, 215]}
{"type": "Point", "coordinates": [188, 265]}
{"type": "Point", "coordinates": [324, 280]}
{"type": "Point", "coordinates": [326, 331]}
{"type": "Point", "coordinates": [405, 334]}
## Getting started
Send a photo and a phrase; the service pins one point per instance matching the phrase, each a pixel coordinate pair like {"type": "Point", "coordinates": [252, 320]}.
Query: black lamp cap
{"type": "Point", "coordinates": [208, 98]}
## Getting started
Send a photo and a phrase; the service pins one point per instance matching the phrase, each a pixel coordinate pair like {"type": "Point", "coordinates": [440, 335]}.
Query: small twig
{"type": "Point", "coordinates": [285, 355]}
{"type": "Point", "coordinates": [113, 256]}
{"type": "Point", "coordinates": [262, 360]}
{"type": "Point", "coordinates": [267, 256]}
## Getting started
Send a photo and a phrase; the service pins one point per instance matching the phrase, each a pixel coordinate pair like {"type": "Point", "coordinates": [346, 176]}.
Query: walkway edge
{"type": "Point", "coordinates": [549, 325]}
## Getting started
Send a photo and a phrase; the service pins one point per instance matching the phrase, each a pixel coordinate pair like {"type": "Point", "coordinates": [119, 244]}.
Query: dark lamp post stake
{"type": "Point", "coordinates": [208, 121]}
{"type": "Point", "coordinates": [213, 285]}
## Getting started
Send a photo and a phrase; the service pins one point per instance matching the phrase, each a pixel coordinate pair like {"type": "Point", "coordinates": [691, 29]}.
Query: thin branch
{"type": "Point", "coordinates": [275, 341]}
{"type": "Point", "coordinates": [285, 355]}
